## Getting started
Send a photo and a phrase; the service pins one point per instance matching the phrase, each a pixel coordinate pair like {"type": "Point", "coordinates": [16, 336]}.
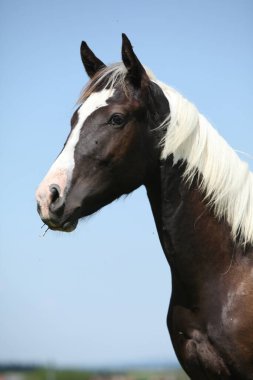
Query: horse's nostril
{"type": "Point", "coordinates": [57, 204]}
{"type": "Point", "coordinates": [54, 194]}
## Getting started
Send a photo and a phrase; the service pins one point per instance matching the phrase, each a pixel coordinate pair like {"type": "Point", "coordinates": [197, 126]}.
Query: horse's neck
{"type": "Point", "coordinates": [194, 242]}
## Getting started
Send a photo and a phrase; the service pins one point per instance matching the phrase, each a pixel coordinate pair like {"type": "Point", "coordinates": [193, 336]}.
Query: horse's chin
{"type": "Point", "coordinates": [68, 226]}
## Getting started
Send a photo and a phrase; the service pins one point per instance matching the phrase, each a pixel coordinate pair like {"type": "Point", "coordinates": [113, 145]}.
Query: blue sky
{"type": "Point", "coordinates": [99, 296]}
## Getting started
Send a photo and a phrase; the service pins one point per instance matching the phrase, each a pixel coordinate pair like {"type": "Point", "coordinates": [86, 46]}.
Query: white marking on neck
{"type": "Point", "coordinates": [61, 171]}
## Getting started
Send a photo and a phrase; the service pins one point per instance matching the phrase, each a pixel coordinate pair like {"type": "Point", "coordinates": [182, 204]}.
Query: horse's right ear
{"type": "Point", "coordinates": [91, 63]}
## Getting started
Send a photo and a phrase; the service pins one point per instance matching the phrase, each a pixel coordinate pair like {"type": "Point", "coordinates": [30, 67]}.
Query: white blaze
{"type": "Point", "coordinates": [61, 171]}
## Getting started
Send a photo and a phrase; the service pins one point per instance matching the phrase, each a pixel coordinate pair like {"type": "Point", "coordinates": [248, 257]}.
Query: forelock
{"type": "Point", "coordinates": [109, 77]}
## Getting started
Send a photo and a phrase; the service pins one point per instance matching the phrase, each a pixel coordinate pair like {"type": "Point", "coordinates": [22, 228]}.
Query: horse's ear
{"type": "Point", "coordinates": [136, 72]}
{"type": "Point", "coordinates": [91, 63]}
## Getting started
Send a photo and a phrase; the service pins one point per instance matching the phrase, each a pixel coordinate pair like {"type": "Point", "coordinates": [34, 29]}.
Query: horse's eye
{"type": "Point", "coordinates": [117, 119]}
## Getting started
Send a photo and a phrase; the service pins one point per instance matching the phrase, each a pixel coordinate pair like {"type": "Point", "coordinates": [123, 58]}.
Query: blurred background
{"type": "Point", "coordinates": [97, 299]}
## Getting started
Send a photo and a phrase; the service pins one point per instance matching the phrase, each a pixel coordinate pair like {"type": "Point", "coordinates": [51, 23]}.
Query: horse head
{"type": "Point", "coordinates": [113, 144]}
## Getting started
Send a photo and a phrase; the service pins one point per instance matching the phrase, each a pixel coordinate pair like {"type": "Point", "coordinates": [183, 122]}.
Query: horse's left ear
{"type": "Point", "coordinates": [91, 63]}
{"type": "Point", "coordinates": [136, 72]}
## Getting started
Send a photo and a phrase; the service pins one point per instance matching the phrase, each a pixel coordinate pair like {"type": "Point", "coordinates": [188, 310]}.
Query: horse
{"type": "Point", "coordinates": [130, 129]}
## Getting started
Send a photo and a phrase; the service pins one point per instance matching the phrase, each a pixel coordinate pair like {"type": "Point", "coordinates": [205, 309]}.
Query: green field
{"type": "Point", "coordinates": [82, 375]}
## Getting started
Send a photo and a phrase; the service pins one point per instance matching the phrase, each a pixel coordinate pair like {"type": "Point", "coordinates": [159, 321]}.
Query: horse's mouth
{"type": "Point", "coordinates": [67, 226]}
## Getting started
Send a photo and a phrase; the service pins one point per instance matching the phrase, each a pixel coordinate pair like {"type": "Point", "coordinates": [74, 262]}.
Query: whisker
{"type": "Point", "coordinates": [45, 231]}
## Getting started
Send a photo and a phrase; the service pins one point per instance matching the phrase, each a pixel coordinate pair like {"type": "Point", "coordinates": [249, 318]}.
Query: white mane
{"type": "Point", "coordinates": [225, 180]}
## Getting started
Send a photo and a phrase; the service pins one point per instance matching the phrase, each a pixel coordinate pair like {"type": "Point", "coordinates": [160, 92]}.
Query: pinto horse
{"type": "Point", "coordinates": [130, 130]}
